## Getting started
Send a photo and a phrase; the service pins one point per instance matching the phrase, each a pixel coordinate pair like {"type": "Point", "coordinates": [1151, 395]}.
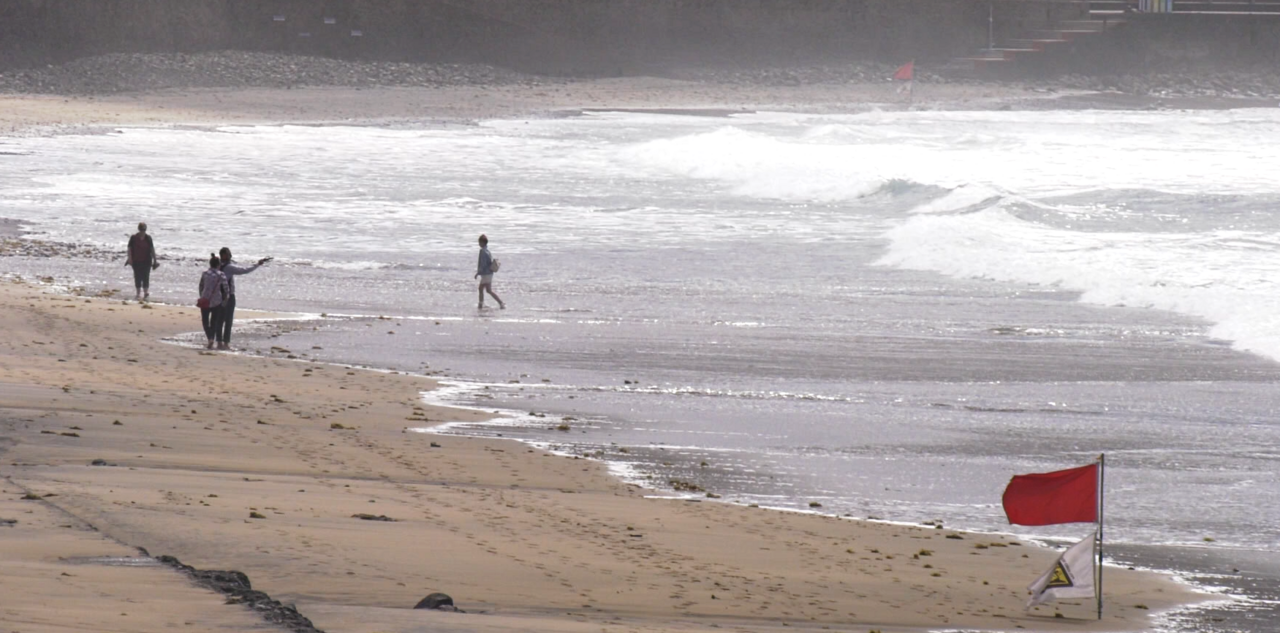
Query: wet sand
{"type": "Point", "coordinates": [266, 465]}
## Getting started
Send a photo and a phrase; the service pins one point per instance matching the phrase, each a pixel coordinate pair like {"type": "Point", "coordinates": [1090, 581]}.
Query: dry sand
{"type": "Point", "coordinates": [22, 113]}
{"type": "Point", "coordinates": [261, 465]}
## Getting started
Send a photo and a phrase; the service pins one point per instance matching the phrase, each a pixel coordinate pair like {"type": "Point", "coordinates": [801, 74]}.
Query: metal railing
{"type": "Point", "coordinates": [1204, 7]}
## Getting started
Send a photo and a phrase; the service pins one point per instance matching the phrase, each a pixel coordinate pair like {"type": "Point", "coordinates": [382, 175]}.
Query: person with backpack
{"type": "Point", "coordinates": [213, 293]}
{"type": "Point", "coordinates": [142, 256]}
{"type": "Point", "coordinates": [229, 306]}
{"type": "Point", "coordinates": [484, 270]}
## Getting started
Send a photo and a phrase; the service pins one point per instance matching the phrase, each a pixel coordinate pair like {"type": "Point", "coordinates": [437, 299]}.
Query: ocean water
{"type": "Point", "coordinates": [885, 313]}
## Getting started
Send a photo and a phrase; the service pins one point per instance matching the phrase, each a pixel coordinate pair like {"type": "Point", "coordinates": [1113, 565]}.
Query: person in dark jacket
{"type": "Point", "coordinates": [213, 293]}
{"type": "Point", "coordinates": [231, 270]}
{"type": "Point", "coordinates": [142, 256]}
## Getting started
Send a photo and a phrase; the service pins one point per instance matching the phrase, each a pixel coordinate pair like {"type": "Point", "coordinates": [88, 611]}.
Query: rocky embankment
{"type": "Point", "coordinates": [1260, 83]}
{"type": "Point", "coordinates": [1238, 84]}
{"type": "Point", "coordinates": [132, 72]}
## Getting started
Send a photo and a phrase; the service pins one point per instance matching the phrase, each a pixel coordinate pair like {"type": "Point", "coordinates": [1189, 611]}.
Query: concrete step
{"type": "Point", "coordinates": [1004, 54]}
{"type": "Point", "coordinates": [1060, 34]}
{"type": "Point", "coordinates": [1085, 25]}
{"type": "Point", "coordinates": [1038, 45]}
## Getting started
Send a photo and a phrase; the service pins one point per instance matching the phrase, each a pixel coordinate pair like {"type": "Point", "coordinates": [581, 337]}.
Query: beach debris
{"type": "Point", "coordinates": [256, 515]}
{"type": "Point", "coordinates": [31, 496]}
{"type": "Point", "coordinates": [8, 522]}
{"type": "Point", "coordinates": [100, 462]}
{"type": "Point", "coordinates": [435, 445]}
{"type": "Point", "coordinates": [815, 504]}
{"type": "Point", "coordinates": [372, 517]}
{"type": "Point", "coordinates": [685, 486]}
{"type": "Point", "coordinates": [439, 602]}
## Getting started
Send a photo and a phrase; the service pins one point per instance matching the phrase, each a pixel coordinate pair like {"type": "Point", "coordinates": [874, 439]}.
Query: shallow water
{"type": "Point", "coordinates": [888, 314]}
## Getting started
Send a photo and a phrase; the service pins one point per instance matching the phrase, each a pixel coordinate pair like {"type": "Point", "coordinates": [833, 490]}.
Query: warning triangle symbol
{"type": "Point", "coordinates": [1060, 577]}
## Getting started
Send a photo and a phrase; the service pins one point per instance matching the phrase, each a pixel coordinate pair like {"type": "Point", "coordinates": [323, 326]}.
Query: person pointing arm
{"type": "Point", "coordinates": [232, 270]}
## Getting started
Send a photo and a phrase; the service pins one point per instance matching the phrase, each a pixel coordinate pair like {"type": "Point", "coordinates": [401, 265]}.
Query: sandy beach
{"type": "Point", "coordinates": [303, 476]}
{"type": "Point", "coordinates": [26, 114]}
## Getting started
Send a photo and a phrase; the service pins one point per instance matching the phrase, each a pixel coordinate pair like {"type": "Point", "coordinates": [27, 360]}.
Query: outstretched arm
{"type": "Point", "coordinates": [244, 270]}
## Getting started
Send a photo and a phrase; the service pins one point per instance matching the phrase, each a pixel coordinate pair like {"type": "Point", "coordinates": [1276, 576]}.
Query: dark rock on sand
{"type": "Point", "coordinates": [372, 517]}
{"type": "Point", "coordinates": [235, 585]}
{"type": "Point", "coordinates": [437, 601]}
{"type": "Point", "coordinates": [31, 247]}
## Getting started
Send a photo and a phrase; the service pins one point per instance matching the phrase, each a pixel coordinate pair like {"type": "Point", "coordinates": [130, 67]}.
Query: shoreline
{"type": "Point", "coordinates": [38, 114]}
{"type": "Point", "coordinates": [522, 539]}
{"type": "Point", "coordinates": [604, 498]}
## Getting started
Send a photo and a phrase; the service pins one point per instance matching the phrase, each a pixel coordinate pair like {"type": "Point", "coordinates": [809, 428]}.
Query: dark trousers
{"type": "Point", "coordinates": [212, 320]}
{"type": "Point", "coordinates": [228, 308]}
{"type": "Point", "coordinates": [142, 275]}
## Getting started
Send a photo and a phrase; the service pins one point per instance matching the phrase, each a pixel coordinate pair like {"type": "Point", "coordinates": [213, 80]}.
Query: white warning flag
{"type": "Point", "coordinates": [1070, 577]}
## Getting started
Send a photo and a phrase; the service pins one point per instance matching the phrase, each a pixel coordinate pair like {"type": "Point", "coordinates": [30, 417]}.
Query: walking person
{"type": "Point", "coordinates": [484, 270]}
{"type": "Point", "coordinates": [213, 292]}
{"type": "Point", "coordinates": [231, 270]}
{"type": "Point", "coordinates": [142, 256]}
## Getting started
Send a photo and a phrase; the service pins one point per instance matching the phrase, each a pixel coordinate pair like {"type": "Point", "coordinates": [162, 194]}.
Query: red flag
{"type": "Point", "coordinates": [1064, 496]}
{"type": "Point", "coordinates": [906, 73]}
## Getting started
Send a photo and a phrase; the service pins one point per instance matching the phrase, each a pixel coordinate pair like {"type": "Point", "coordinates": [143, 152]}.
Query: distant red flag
{"type": "Point", "coordinates": [1064, 496]}
{"type": "Point", "coordinates": [906, 73]}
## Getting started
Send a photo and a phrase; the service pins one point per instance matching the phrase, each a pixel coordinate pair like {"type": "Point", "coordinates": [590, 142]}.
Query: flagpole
{"type": "Point", "coordinates": [1102, 464]}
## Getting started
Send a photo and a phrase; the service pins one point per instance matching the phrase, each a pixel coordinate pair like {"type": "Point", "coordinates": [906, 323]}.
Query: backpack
{"type": "Point", "coordinates": [212, 286]}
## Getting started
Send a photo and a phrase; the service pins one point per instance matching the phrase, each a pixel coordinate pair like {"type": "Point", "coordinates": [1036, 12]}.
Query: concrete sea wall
{"type": "Point", "coordinates": [589, 36]}
{"type": "Point", "coordinates": [541, 35]}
